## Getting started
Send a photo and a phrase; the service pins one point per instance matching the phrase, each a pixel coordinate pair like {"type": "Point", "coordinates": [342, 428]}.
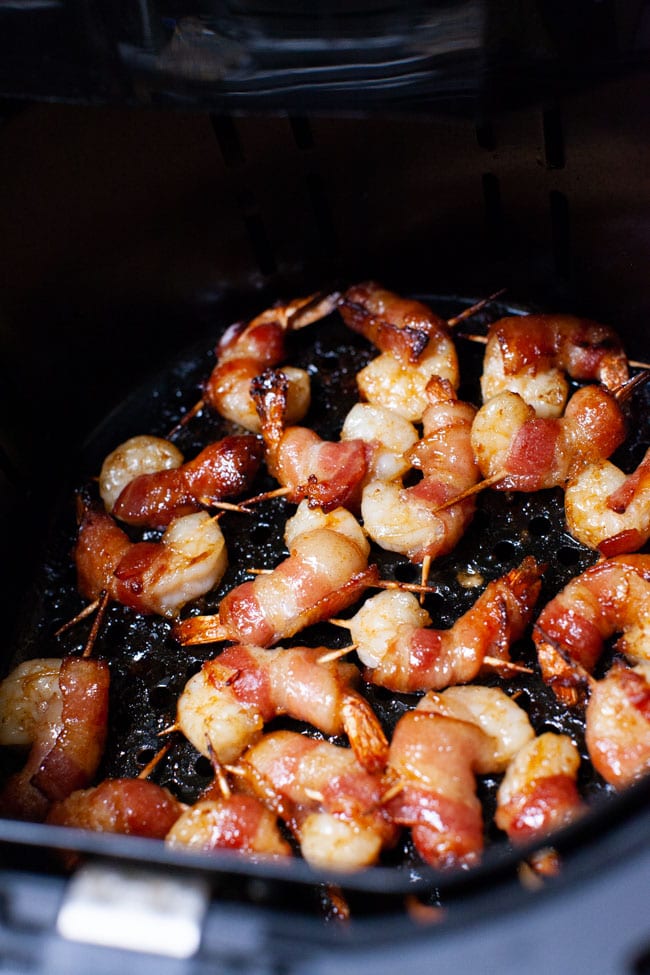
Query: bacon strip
{"type": "Point", "coordinates": [222, 470]}
{"type": "Point", "coordinates": [135, 807]}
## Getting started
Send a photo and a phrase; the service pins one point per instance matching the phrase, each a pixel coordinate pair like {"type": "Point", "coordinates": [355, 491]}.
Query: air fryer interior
{"type": "Point", "coordinates": [129, 237]}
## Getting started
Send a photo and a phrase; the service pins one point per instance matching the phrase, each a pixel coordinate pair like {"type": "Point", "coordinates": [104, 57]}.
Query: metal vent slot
{"type": "Point", "coordinates": [560, 233]}
{"type": "Point", "coordinates": [257, 233]}
{"type": "Point", "coordinates": [229, 141]}
{"type": "Point", "coordinates": [553, 138]}
{"type": "Point", "coordinates": [492, 202]}
{"type": "Point", "coordinates": [302, 131]}
{"type": "Point", "coordinates": [485, 137]}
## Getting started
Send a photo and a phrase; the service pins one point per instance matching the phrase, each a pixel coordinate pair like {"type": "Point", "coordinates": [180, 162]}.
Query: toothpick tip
{"type": "Point", "coordinates": [170, 729]}
{"type": "Point", "coordinates": [327, 658]}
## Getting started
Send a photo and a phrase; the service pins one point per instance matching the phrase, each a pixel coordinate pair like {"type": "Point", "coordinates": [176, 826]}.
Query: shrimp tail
{"type": "Point", "coordinates": [312, 309]}
{"type": "Point", "coordinates": [525, 582]}
{"type": "Point", "coordinates": [512, 600]}
{"type": "Point", "coordinates": [511, 604]}
{"type": "Point", "coordinates": [366, 735]}
{"type": "Point", "coordinates": [570, 682]}
{"type": "Point", "coordinates": [200, 629]}
{"type": "Point", "coordinates": [269, 393]}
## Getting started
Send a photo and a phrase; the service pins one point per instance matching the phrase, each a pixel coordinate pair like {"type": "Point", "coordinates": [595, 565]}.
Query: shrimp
{"type": "Point", "coordinates": [610, 597]}
{"type": "Point", "coordinates": [608, 510]}
{"type": "Point", "coordinates": [150, 577]}
{"type": "Point", "coordinates": [390, 436]}
{"type": "Point", "coordinates": [332, 804]}
{"type": "Point", "coordinates": [532, 354]}
{"type": "Point", "coordinates": [327, 474]}
{"type": "Point", "coordinates": [59, 710]}
{"type": "Point", "coordinates": [618, 724]}
{"type": "Point", "coordinates": [435, 754]}
{"type": "Point", "coordinates": [326, 571]}
{"type": "Point", "coordinates": [138, 455]}
{"type": "Point", "coordinates": [411, 520]}
{"type": "Point", "coordinates": [138, 493]}
{"type": "Point", "coordinates": [414, 344]}
{"type": "Point", "coordinates": [532, 453]}
{"type": "Point", "coordinates": [236, 822]}
{"type": "Point", "coordinates": [225, 706]}
{"type": "Point", "coordinates": [248, 348]}
{"type": "Point", "coordinates": [134, 807]}
{"type": "Point", "coordinates": [402, 653]}
{"type": "Point", "coordinates": [539, 793]}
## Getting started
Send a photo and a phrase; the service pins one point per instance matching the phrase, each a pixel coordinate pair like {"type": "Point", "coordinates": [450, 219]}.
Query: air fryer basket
{"type": "Point", "coordinates": [129, 237]}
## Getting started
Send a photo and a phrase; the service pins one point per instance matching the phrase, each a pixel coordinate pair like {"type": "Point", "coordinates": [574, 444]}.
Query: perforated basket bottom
{"type": "Point", "coordinates": [149, 669]}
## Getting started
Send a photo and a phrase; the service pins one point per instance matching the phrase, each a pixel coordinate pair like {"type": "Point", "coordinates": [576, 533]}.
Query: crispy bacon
{"type": "Point", "coordinates": [435, 758]}
{"type": "Point", "coordinates": [224, 707]}
{"type": "Point", "coordinates": [67, 743]}
{"type": "Point", "coordinates": [415, 521]}
{"type": "Point", "coordinates": [326, 571]}
{"type": "Point", "coordinates": [150, 577]}
{"type": "Point", "coordinates": [331, 802]}
{"type": "Point", "coordinates": [291, 682]}
{"type": "Point", "coordinates": [403, 653]}
{"type": "Point", "coordinates": [549, 804]}
{"type": "Point", "coordinates": [539, 791]}
{"type": "Point", "coordinates": [609, 510]}
{"type": "Point", "coordinates": [132, 806]}
{"type": "Point", "coordinates": [400, 326]}
{"type": "Point", "coordinates": [531, 453]}
{"type": "Point", "coordinates": [238, 822]}
{"type": "Point", "coordinates": [248, 348]}
{"type": "Point", "coordinates": [222, 470]}
{"type": "Point", "coordinates": [618, 724]}
{"type": "Point", "coordinates": [328, 474]}
{"type": "Point", "coordinates": [583, 348]}
{"type": "Point", "coordinates": [570, 633]}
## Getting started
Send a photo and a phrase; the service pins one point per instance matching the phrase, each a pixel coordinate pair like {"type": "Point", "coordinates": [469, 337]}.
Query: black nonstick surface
{"type": "Point", "coordinates": [149, 668]}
